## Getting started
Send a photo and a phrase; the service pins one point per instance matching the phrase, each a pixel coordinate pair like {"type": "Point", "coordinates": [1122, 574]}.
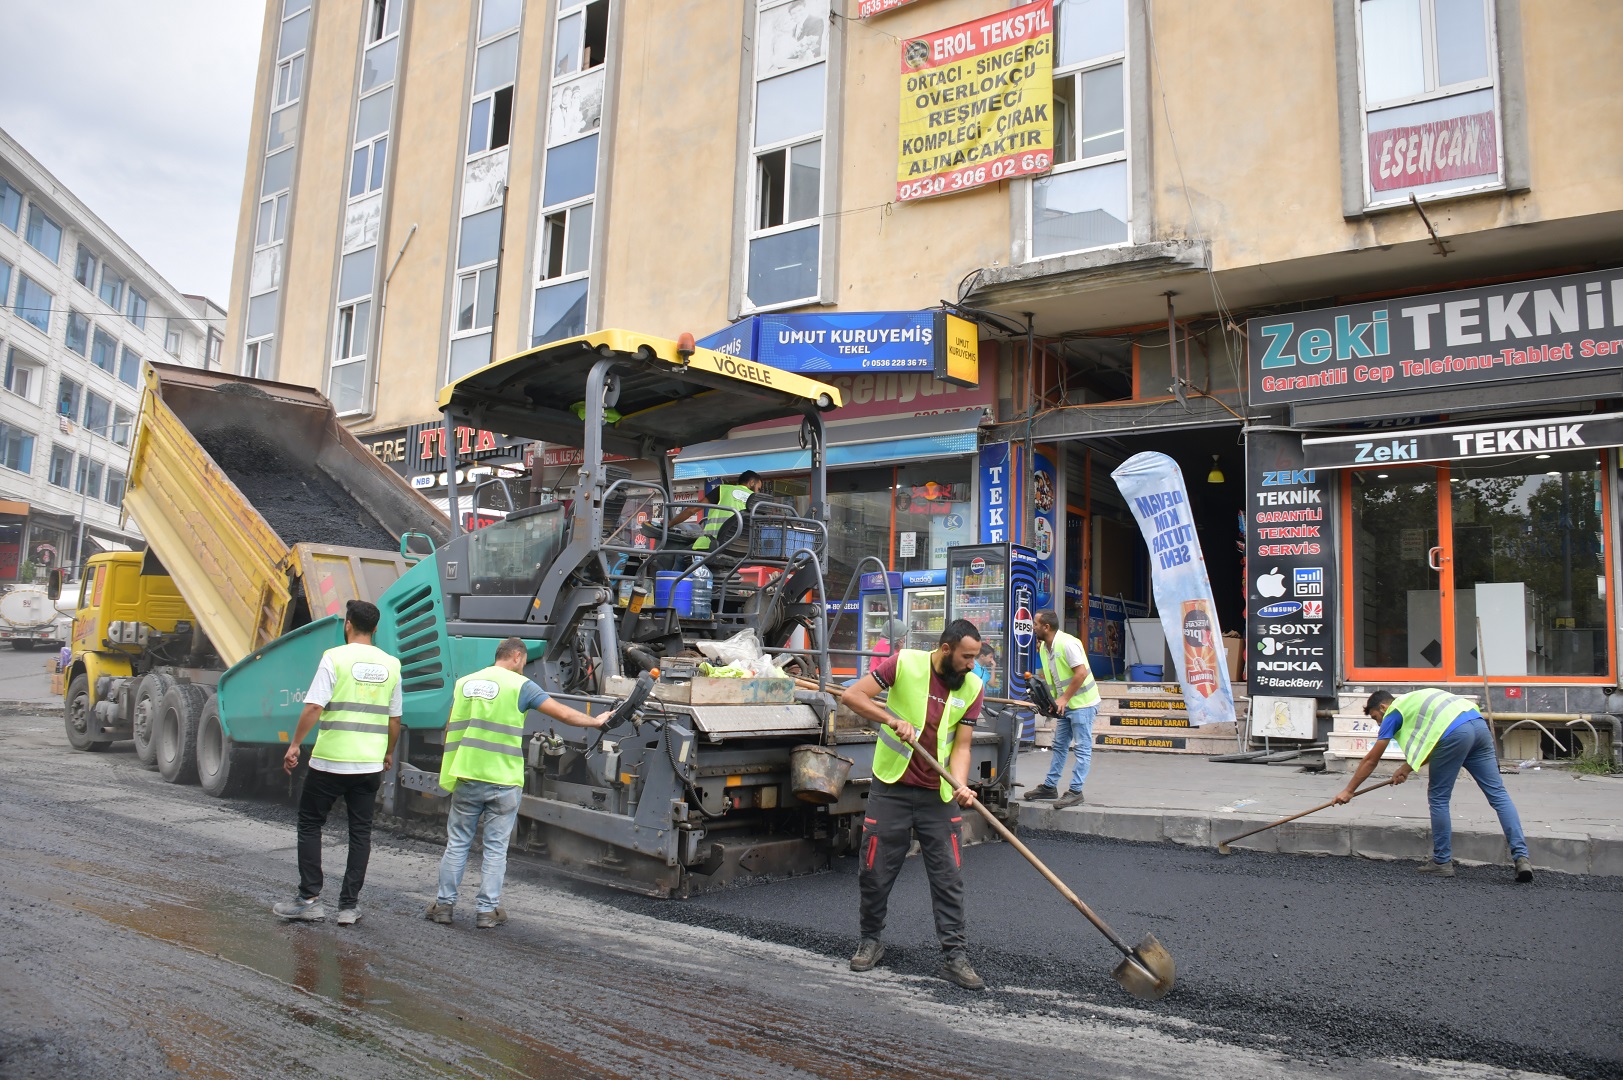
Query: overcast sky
{"type": "Point", "coordinates": [141, 110]}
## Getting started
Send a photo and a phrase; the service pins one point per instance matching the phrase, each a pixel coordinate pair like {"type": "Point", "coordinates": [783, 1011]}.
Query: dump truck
{"type": "Point", "coordinates": [262, 514]}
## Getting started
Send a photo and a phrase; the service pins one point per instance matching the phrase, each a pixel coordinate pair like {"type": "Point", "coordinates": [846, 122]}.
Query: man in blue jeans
{"type": "Point", "coordinates": [483, 769]}
{"type": "Point", "coordinates": [1076, 696]}
{"type": "Point", "coordinates": [1445, 733]}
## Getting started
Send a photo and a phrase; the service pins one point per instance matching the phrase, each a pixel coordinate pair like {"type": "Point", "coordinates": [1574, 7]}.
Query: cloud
{"type": "Point", "coordinates": [142, 111]}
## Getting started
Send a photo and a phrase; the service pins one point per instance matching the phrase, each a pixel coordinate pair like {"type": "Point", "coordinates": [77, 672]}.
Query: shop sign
{"type": "Point", "coordinates": [425, 444]}
{"type": "Point", "coordinates": [1513, 439]}
{"type": "Point", "coordinates": [977, 103]}
{"type": "Point", "coordinates": [867, 9]}
{"type": "Point", "coordinates": [1519, 330]}
{"type": "Point", "coordinates": [1430, 153]}
{"type": "Point", "coordinates": [930, 342]}
{"type": "Point", "coordinates": [1290, 569]}
{"type": "Point", "coordinates": [1000, 494]}
{"type": "Point", "coordinates": [391, 448]}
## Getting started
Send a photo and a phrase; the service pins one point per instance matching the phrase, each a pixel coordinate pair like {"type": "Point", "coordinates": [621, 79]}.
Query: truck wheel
{"type": "Point", "coordinates": [175, 738]}
{"type": "Point", "coordinates": [81, 727]}
{"type": "Point", "coordinates": [144, 722]}
{"type": "Point", "coordinates": [223, 769]}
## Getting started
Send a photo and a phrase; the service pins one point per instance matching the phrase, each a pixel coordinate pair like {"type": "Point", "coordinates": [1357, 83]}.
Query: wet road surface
{"type": "Point", "coordinates": [135, 942]}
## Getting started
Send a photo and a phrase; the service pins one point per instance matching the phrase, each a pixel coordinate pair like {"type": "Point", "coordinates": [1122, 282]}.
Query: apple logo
{"type": "Point", "coordinates": [1272, 583]}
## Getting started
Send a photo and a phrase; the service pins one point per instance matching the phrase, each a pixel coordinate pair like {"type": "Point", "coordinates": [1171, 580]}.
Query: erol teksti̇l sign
{"type": "Point", "coordinates": [1518, 330]}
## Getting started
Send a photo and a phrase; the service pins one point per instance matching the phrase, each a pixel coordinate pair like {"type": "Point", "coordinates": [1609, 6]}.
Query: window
{"type": "Point", "coordinates": [476, 300]}
{"type": "Point", "coordinates": [136, 310]}
{"type": "Point", "coordinates": [112, 288]}
{"type": "Point", "coordinates": [272, 223]}
{"type": "Point", "coordinates": [377, 66]}
{"type": "Point", "coordinates": [61, 471]}
{"type": "Point", "coordinates": [78, 336]}
{"type": "Point", "coordinates": [1430, 110]}
{"type": "Point", "coordinates": [1082, 204]}
{"type": "Point", "coordinates": [115, 488]}
{"type": "Point", "coordinates": [371, 143]}
{"type": "Point", "coordinates": [258, 359]}
{"type": "Point", "coordinates": [98, 413]}
{"type": "Point", "coordinates": [23, 375]}
{"type": "Point", "coordinates": [123, 422]}
{"type": "Point", "coordinates": [212, 354]}
{"type": "Point", "coordinates": [582, 40]}
{"type": "Point", "coordinates": [347, 385]}
{"type": "Point", "coordinates": [566, 242]}
{"type": "Point", "coordinates": [171, 342]}
{"type": "Point", "coordinates": [784, 244]}
{"type": "Point", "coordinates": [16, 449]}
{"type": "Point", "coordinates": [33, 303]}
{"type": "Point", "coordinates": [490, 119]}
{"type": "Point", "coordinates": [87, 478]}
{"type": "Point", "coordinates": [5, 282]}
{"type": "Point", "coordinates": [104, 352]}
{"type": "Point", "coordinates": [382, 19]}
{"type": "Point", "coordinates": [129, 367]}
{"type": "Point", "coordinates": [11, 205]}
{"type": "Point", "coordinates": [67, 398]}
{"type": "Point", "coordinates": [289, 80]}
{"type": "Point", "coordinates": [84, 268]}
{"type": "Point", "coordinates": [44, 234]}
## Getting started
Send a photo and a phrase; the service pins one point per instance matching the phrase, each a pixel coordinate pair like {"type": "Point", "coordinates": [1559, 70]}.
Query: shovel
{"type": "Point", "coordinates": [1223, 845]}
{"type": "Point", "coordinates": [1147, 972]}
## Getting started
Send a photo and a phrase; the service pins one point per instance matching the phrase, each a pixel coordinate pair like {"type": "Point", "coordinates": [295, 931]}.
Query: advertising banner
{"type": "Point", "coordinates": [1470, 441]}
{"type": "Point", "coordinates": [1154, 489]}
{"type": "Point", "coordinates": [1000, 492]}
{"type": "Point", "coordinates": [1291, 595]}
{"type": "Point", "coordinates": [1453, 149]}
{"type": "Point", "coordinates": [1518, 330]}
{"type": "Point", "coordinates": [977, 103]}
{"type": "Point", "coordinates": [1045, 536]}
{"type": "Point", "coordinates": [933, 342]}
{"type": "Point", "coordinates": [867, 9]}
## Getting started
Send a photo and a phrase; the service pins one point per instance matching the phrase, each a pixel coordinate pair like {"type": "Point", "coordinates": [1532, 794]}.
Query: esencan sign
{"type": "Point", "coordinates": [1519, 330]}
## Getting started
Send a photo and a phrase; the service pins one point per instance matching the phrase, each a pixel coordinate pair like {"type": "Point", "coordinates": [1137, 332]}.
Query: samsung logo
{"type": "Point", "coordinates": [1279, 610]}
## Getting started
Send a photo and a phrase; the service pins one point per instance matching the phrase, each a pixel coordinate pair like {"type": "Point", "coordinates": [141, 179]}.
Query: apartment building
{"type": "Point", "coordinates": [82, 310]}
{"type": "Point", "coordinates": [1235, 233]}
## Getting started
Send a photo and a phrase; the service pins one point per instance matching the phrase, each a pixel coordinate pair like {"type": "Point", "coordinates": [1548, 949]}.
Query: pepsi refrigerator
{"type": "Point", "coordinates": [921, 596]}
{"type": "Point", "coordinates": [994, 586]}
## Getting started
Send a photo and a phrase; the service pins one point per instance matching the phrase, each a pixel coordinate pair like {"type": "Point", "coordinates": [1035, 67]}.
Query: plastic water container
{"type": "Point", "coordinates": [702, 598]}
{"type": "Point", "coordinates": [1144, 672]}
{"type": "Point", "coordinates": [682, 600]}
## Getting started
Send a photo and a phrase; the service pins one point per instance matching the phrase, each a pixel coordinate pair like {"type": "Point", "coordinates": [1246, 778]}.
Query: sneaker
{"type": "Point", "coordinates": [348, 916]}
{"type": "Point", "coordinates": [1073, 798]}
{"type": "Point", "coordinates": [489, 920]}
{"type": "Point", "coordinates": [440, 913]}
{"type": "Point", "coordinates": [955, 969]}
{"type": "Point", "coordinates": [299, 909]}
{"type": "Point", "coordinates": [1437, 869]}
{"type": "Point", "coordinates": [1041, 792]}
{"type": "Point", "coordinates": [1524, 869]}
{"type": "Point", "coordinates": [868, 955]}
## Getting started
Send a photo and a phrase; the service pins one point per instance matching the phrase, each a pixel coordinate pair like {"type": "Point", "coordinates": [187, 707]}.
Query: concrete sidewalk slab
{"type": "Point", "coordinates": [1574, 824]}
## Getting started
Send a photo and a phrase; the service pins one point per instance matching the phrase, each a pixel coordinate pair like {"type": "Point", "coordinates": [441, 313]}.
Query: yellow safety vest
{"type": "Point", "coordinates": [1058, 671]}
{"type": "Point", "coordinates": [728, 496]}
{"type": "Point", "coordinates": [485, 738]}
{"type": "Point", "coordinates": [355, 723]}
{"type": "Point", "coordinates": [910, 700]}
{"type": "Point", "coordinates": [1426, 715]}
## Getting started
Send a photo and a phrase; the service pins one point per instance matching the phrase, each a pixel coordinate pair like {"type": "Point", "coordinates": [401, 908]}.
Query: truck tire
{"type": "Point", "coordinates": [76, 717]}
{"type": "Point", "coordinates": [144, 717]}
{"type": "Point", "coordinates": [175, 736]}
{"type": "Point", "coordinates": [223, 769]}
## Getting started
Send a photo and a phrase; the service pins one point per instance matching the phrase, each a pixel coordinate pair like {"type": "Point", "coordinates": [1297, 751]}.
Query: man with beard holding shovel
{"type": "Point", "coordinates": [934, 697]}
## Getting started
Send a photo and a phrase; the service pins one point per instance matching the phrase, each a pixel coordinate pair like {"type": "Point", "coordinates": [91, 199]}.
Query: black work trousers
{"type": "Point", "coordinates": [895, 813]}
{"type": "Point", "coordinates": [360, 795]}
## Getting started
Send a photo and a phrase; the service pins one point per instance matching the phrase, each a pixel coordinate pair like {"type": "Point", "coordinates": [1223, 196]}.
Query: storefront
{"type": "Point", "coordinates": [417, 453]}
{"type": "Point", "coordinates": [1448, 469]}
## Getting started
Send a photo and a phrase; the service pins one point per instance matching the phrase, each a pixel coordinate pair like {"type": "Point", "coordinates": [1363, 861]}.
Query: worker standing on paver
{"type": "Point", "coordinates": [1446, 733]}
{"type": "Point", "coordinates": [355, 697]}
{"type": "Point", "coordinates": [934, 697]}
{"type": "Point", "coordinates": [1076, 698]}
{"type": "Point", "coordinates": [483, 769]}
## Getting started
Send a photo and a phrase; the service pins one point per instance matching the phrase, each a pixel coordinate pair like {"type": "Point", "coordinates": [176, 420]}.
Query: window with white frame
{"type": "Point", "coordinates": [569, 186]}
{"type": "Point", "coordinates": [84, 267]}
{"type": "Point", "coordinates": [123, 425]}
{"type": "Point", "coordinates": [68, 393]}
{"type": "Point", "coordinates": [784, 244]}
{"type": "Point", "coordinates": [136, 309]}
{"type": "Point", "coordinates": [258, 359]}
{"type": "Point", "coordinates": [104, 351]}
{"type": "Point", "coordinates": [98, 414]}
{"type": "Point", "coordinates": [112, 288]}
{"type": "Point", "coordinates": [78, 334]}
{"type": "Point", "coordinates": [474, 291]}
{"type": "Point", "coordinates": [211, 356]}
{"type": "Point", "coordinates": [347, 387]}
{"type": "Point", "coordinates": [495, 66]}
{"type": "Point", "coordinates": [115, 488]}
{"type": "Point", "coordinates": [1430, 106]}
{"type": "Point", "coordinates": [24, 375]}
{"type": "Point", "coordinates": [11, 205]}
{"type": "Point", "coordinates": [382, 19]}
{"type": "Point", "coordinates": [87, 477]}
{"type": "Point", "coordinates": [44, 234]}
{"type": "Point", "coordinates": [60, 473]}
{"type": "Point", "coordinates": [171, 341]}
{"type": "Point", "coordinates": [371, 153]}
{"type": "Point", "coordinates": [289, 80]}
{"type": "Point", "coordinates": [5, 282]}
{"type": "Point", "coordinates": [16, 448]}
{"type": "Point", "coordinates": [1083, 203]}
{"type": "Point", "coordinates": [33, 304]}
{"type": "Point", "coordinates": [129, 367]}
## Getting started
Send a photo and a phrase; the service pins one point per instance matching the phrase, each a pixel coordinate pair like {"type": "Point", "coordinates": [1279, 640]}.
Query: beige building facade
{"type": "Point", "coordinates": [433, 185]}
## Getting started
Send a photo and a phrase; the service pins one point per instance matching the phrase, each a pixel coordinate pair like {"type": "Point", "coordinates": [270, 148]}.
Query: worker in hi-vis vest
{"type": "Point", "coordinates": [1076, 697]}
{"type": "Point", "coordinates": [483, 769]}
{"type": "Point", "coordinates": [355, 697]}
{"type": "Point", "coordinates": [934, 697]}
{"type": "Point", "coordinates": [1445, 733]}
{"type": "Point", "coordinates": [734, 496]}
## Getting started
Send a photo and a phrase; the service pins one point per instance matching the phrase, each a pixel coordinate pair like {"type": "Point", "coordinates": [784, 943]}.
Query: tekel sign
{"type": "Point", "coordinates": [1519, 330]}
{"type": "Point", "coordinates": [1513, 439]}
{"type": "Point", "coordinates": [1291, 570]}
{"type": "Point", "coordinates": [858, 341]}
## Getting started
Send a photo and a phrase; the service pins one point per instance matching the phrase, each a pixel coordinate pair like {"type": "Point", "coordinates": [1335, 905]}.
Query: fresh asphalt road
{"type": "Point", "coordinates": [135, 942]}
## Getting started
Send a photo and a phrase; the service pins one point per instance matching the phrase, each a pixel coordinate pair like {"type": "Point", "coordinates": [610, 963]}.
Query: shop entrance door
{"type": "Point", "coordinates": [1400, 611]}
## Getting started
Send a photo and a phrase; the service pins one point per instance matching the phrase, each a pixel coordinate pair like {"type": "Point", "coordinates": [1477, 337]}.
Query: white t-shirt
{"type": "Point", "coordinates": [320, 693]}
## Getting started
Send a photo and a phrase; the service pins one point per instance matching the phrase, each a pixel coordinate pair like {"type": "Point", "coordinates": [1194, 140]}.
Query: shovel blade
{"type": "Point", "coordinates": [1149, 973]}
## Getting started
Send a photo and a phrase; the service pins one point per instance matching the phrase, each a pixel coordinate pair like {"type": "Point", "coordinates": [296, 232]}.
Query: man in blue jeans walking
{"type": "Point", "coordinates": [1445, 733]}
{"type": "Point", "coordinates": [483, 769]}
{"type": "Point", "coordinates": [1076, 696]}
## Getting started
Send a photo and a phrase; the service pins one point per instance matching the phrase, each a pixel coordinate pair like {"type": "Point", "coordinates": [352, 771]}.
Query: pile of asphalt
{"type": "Point", "coordinates": [301, 503]}
{"type": "Point", "coordinates": [1324, 960]}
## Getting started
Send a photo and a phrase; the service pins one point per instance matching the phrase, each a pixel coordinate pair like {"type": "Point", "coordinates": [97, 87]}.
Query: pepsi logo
{"type": "Point", "coordinates": [1023, 626]}
{"type": "Point", "coordinates": [977, 565]}
{"type": "Point", "coordinates": [1279, 610]}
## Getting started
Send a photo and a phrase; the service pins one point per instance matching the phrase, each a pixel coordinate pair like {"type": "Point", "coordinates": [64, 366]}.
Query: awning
{"type": "Point", "coordinates": [1516, 438]}
{"type": "Point", "coordinates": [870, 442]}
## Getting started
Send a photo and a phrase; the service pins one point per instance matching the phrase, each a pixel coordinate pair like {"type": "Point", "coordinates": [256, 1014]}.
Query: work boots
{"type": "Point", "coordinates": [956, 969]}
{"type": "Point", "coordinates": [1040, 793]}
{"type": "Point", "coordinates": [1524, 869]}
{"type": "Point", "coordinates": [869, 953]}
{"type": "Point", "coordinates": [1437, 869]}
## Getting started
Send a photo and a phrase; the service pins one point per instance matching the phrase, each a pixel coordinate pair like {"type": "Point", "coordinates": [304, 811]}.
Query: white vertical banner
{"type": "Point", "coordinates": [1154, 489]}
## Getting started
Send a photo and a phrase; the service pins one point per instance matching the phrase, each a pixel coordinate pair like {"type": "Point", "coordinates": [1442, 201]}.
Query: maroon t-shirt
{"type": "Point", "coordinates": [919, 774]}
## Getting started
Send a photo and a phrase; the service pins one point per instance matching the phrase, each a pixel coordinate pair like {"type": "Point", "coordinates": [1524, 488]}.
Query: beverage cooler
{"type": "Point", "coordinates": [994, 586]}
{"type": "Point", "coordinates": [921, 596]}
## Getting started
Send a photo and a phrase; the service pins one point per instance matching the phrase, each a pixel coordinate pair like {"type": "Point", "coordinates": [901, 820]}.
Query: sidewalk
{"type": "Point", "coordinates": [1574, 824]}
{"type": "Point", "coordinates": [25, 684]}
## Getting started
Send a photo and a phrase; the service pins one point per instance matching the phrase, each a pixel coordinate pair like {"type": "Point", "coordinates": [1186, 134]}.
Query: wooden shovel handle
{"type": "Point", "coordinates": [1304, 813]}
